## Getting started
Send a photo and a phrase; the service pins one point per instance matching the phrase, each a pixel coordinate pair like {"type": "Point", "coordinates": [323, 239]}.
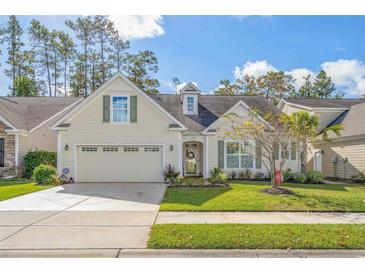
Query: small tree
{"type": "Point", "coordinates": [24, 86]}
{"type": "Point", "coordinates": [272, 131]}
{"type": "Point", "coordinates": [305, 127]}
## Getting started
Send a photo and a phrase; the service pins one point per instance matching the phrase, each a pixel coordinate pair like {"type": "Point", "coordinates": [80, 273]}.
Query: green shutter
{"type": "Point", "coordinates": [258, 154]}
{"type": "Point", "coordinates": [221, 154]}
{"type": "Point", "coordinates": [106, 109]}
{"type": "Point", "coordinates": [133, 110]}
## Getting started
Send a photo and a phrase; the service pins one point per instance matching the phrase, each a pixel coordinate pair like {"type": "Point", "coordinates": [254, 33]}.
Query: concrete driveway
{"type": "Point", "coordinates": [81, 216]}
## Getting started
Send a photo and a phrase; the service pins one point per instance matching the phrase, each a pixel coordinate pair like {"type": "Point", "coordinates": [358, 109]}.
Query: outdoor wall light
{"type": "Point", "coordinates": [171, 148]}
{"type": "Point", "coordinates": [66, 147]}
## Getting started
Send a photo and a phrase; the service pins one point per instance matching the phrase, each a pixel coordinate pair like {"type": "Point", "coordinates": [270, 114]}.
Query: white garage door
{"type": "Point", "coordinates": [119, 163]}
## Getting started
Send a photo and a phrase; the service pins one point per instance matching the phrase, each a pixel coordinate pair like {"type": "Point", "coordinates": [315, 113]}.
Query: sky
{"type": "Point", "coordinates": [207, 49]}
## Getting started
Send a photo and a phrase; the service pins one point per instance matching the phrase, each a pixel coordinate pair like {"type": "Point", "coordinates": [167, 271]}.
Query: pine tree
{"type": "Point", "coordinates": [138, 69]}
{"type": "Point", "coordinates": [84, 30]}
{"type": "Point", "coordinates": [66, 52]}
{"type": "Point", "coordinates": [41, 39]}
{"type": "Point", "coordinates": [13, 38]}
{"type": "Point", "coordinates": [306, 90]}
{"type": "Point", "coordinates": [323, 86]}
{"type": "Point", "coordinates": [118, 57]}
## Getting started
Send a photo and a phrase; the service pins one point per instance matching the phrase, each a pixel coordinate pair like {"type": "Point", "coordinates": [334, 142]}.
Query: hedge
{"type": "Point", "coordinates": [34, 158]}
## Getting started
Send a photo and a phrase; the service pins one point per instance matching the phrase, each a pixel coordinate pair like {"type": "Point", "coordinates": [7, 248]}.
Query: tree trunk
{"type": "Point", "coordinates": [65, 77]}
{"type": "Point", "coordinates": [55, 75]}
{"type": "Point", "coordinates": [48, 72]}
{"type": "Point", "coordinates": [303, 161]}
{"type": "Point", "coordinates": [85, 72]}
{"type": "Point", "coordinates": [13, 68]}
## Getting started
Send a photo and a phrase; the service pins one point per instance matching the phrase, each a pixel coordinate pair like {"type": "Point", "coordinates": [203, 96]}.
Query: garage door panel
{"type": "Point", "coordinates": [119, 163]}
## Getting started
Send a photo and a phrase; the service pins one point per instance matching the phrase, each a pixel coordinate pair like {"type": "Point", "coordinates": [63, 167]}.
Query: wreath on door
{"type": "Point", "coordinates": [190, 155]}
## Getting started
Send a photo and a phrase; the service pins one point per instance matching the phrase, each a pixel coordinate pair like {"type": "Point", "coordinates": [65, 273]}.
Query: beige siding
{"type": "Point", "coordinates": [353, 150]}
{"type": "Point", "coordinates": [41, 138]}
{"type": "Point", "coordinates": [225, 126]}
{"type": "Point", "coordinates": [152, 128]}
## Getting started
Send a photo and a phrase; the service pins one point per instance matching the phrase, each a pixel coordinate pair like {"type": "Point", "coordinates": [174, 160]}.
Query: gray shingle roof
{"type": "Point", "coordinates": [325, 103]}
{"type": "Point", "coordinates": [27, 112]}
{"type": "Point", "coordinates": [210, 108]}
{"type": "Point", "coordinates": [352, 120]}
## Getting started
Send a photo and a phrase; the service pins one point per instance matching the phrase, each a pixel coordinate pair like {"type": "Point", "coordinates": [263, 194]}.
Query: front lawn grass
{"type": "Point", "coordinates": [10, 188]}
{"type": "Point", "coordinates": [260, 236]}
{"type": "Point", "coordinates": [247, 196]}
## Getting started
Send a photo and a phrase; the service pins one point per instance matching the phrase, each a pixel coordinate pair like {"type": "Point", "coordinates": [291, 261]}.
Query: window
{"type": "Point", "coordinates": [293, 150]}
{"type": "Point", "coordinates": [110, 149]}
{"type": "Point", "coordinates": [120, 106]}
{"type": "Point", "coordinates": [238, 156]}
{"type": "Point", "coordinates": [233, 155]}
{"type": "Point", "coordinates": [130, 149]}
{"type": "Point", "coordinates": [151, 149]}
{"type": "Point", "coordinates": [89, 149]}
{"type": "Point", "coordinates": [2, 152]}
{"type": "Point", "coordinates": [190, 104]}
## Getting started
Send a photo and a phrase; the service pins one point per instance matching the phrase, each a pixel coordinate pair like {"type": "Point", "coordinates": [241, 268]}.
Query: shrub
{"type": "Point", "coordinates": [217, 176]}
{"type": "Point", "coordinates": [45, 174]}
{"type": "Point", "coordinates": [314, 177]}
{"type": "Point", "coordinates": [359, 178]}
{"type": "Point", "coordinates": [299, 178]}
{"type": "Point", "coordinates": [288, 176]}
{"type": "Point", "coordinates": [259, 176]}
{"type": "Point", "coordinates": [171, 174]}
{"type": "Point", "coordinates": [34, 158]}
{"type": "Point", "coordinates": [233, 175]}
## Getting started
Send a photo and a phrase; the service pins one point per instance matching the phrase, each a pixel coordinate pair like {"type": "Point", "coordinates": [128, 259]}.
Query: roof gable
{"type": "Point", "coordinates": [28, 113]}
{"type": "Point", "coordinates": [67, 118]}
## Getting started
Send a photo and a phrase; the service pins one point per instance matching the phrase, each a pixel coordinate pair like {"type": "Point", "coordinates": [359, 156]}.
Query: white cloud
{"type": "Point", "coordinates": [138, 26]}
{"type": "Point", "coordinates": [298, 75]}
{"type": "Point", "coordinates": [256, 69]}
{"type": "Point", "coordinates": [347, 75]}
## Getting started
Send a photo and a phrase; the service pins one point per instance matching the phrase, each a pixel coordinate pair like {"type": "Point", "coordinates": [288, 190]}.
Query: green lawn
{"type": "Point", "coordinates": [248, 197]}
{"type": "Point", "coordinates": [10, 188]}
{"type": "Point", "coordinates": [261, 236]}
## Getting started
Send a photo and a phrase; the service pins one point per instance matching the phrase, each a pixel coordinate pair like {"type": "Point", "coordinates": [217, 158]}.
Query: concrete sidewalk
{"type": "Point", "coordinates": [181, 253]}
{"type": "Point", "coordinates": [170, 217]}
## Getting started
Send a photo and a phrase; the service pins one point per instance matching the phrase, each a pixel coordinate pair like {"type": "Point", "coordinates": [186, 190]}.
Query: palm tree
{"type": "Point", "coordinates": [304, 127]}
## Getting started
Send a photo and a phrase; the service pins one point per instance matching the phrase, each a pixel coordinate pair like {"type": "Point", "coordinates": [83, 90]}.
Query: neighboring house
{"type": "Point", "coordinates": [344, 156]}
{"type": "Point", "coordinates": [24, 126]}
{"type": "Point", "coordinates": [121, 134]}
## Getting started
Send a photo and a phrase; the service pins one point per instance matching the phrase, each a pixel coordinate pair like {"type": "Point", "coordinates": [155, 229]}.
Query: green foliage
{"type": "Point", "coordinates": [34, 158]}
{"type": "Point", "coordinates": [191, 181]}
{"type": "Point", "coordinates": [311, 177]}
{"type": "Point", "coordinates": [299, 177]}
{"type": "Point", "coordinates": [138, 69]}
{"type": "Point", "coordinates": [314, 177]}
{"type": "Point", "coordinates": [171, 174]}
{"type": "Point", "coordinates": [217, 176]}
{"type": "Point", "coordinates": [359, 178]}
{"type": "Point", "coordinates": [45, 174]}
{"type": "Point", "coordinates": [24, 86]}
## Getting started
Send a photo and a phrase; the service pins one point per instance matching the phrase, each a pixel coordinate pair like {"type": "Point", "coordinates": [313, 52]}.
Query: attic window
{"type": "Point", "coordinates": [190, 103]}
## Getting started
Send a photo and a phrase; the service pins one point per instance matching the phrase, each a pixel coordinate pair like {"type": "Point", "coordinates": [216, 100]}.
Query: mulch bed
{"type": "Point", "coordinates": [277, 191]}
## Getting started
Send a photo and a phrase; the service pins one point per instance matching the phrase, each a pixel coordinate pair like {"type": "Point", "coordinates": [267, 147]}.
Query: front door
{"type": "Point", "coordinates": [192, 159]}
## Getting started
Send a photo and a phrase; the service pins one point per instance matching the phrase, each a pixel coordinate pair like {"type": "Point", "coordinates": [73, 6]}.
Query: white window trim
{"type": "Point", "coordinates": [128, 110]}
{"type": "Point", "coordinates": [239, 158]}
{"type": "Point", "coordinates": [195, 107]}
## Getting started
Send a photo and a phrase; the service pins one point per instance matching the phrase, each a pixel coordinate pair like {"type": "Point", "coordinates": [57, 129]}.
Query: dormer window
{"type": "Point", "coordinates": [190, 103]}
{"type": "Point", "coordinates": [190, 99]}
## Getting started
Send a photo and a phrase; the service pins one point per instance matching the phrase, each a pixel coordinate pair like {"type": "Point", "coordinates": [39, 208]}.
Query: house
{"type": "Point", "coordinates": [344, 156]}
{"type": "Point", "coordinates": [121, 134]}
{"type": "Point", "coordinates": [24, 126]}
